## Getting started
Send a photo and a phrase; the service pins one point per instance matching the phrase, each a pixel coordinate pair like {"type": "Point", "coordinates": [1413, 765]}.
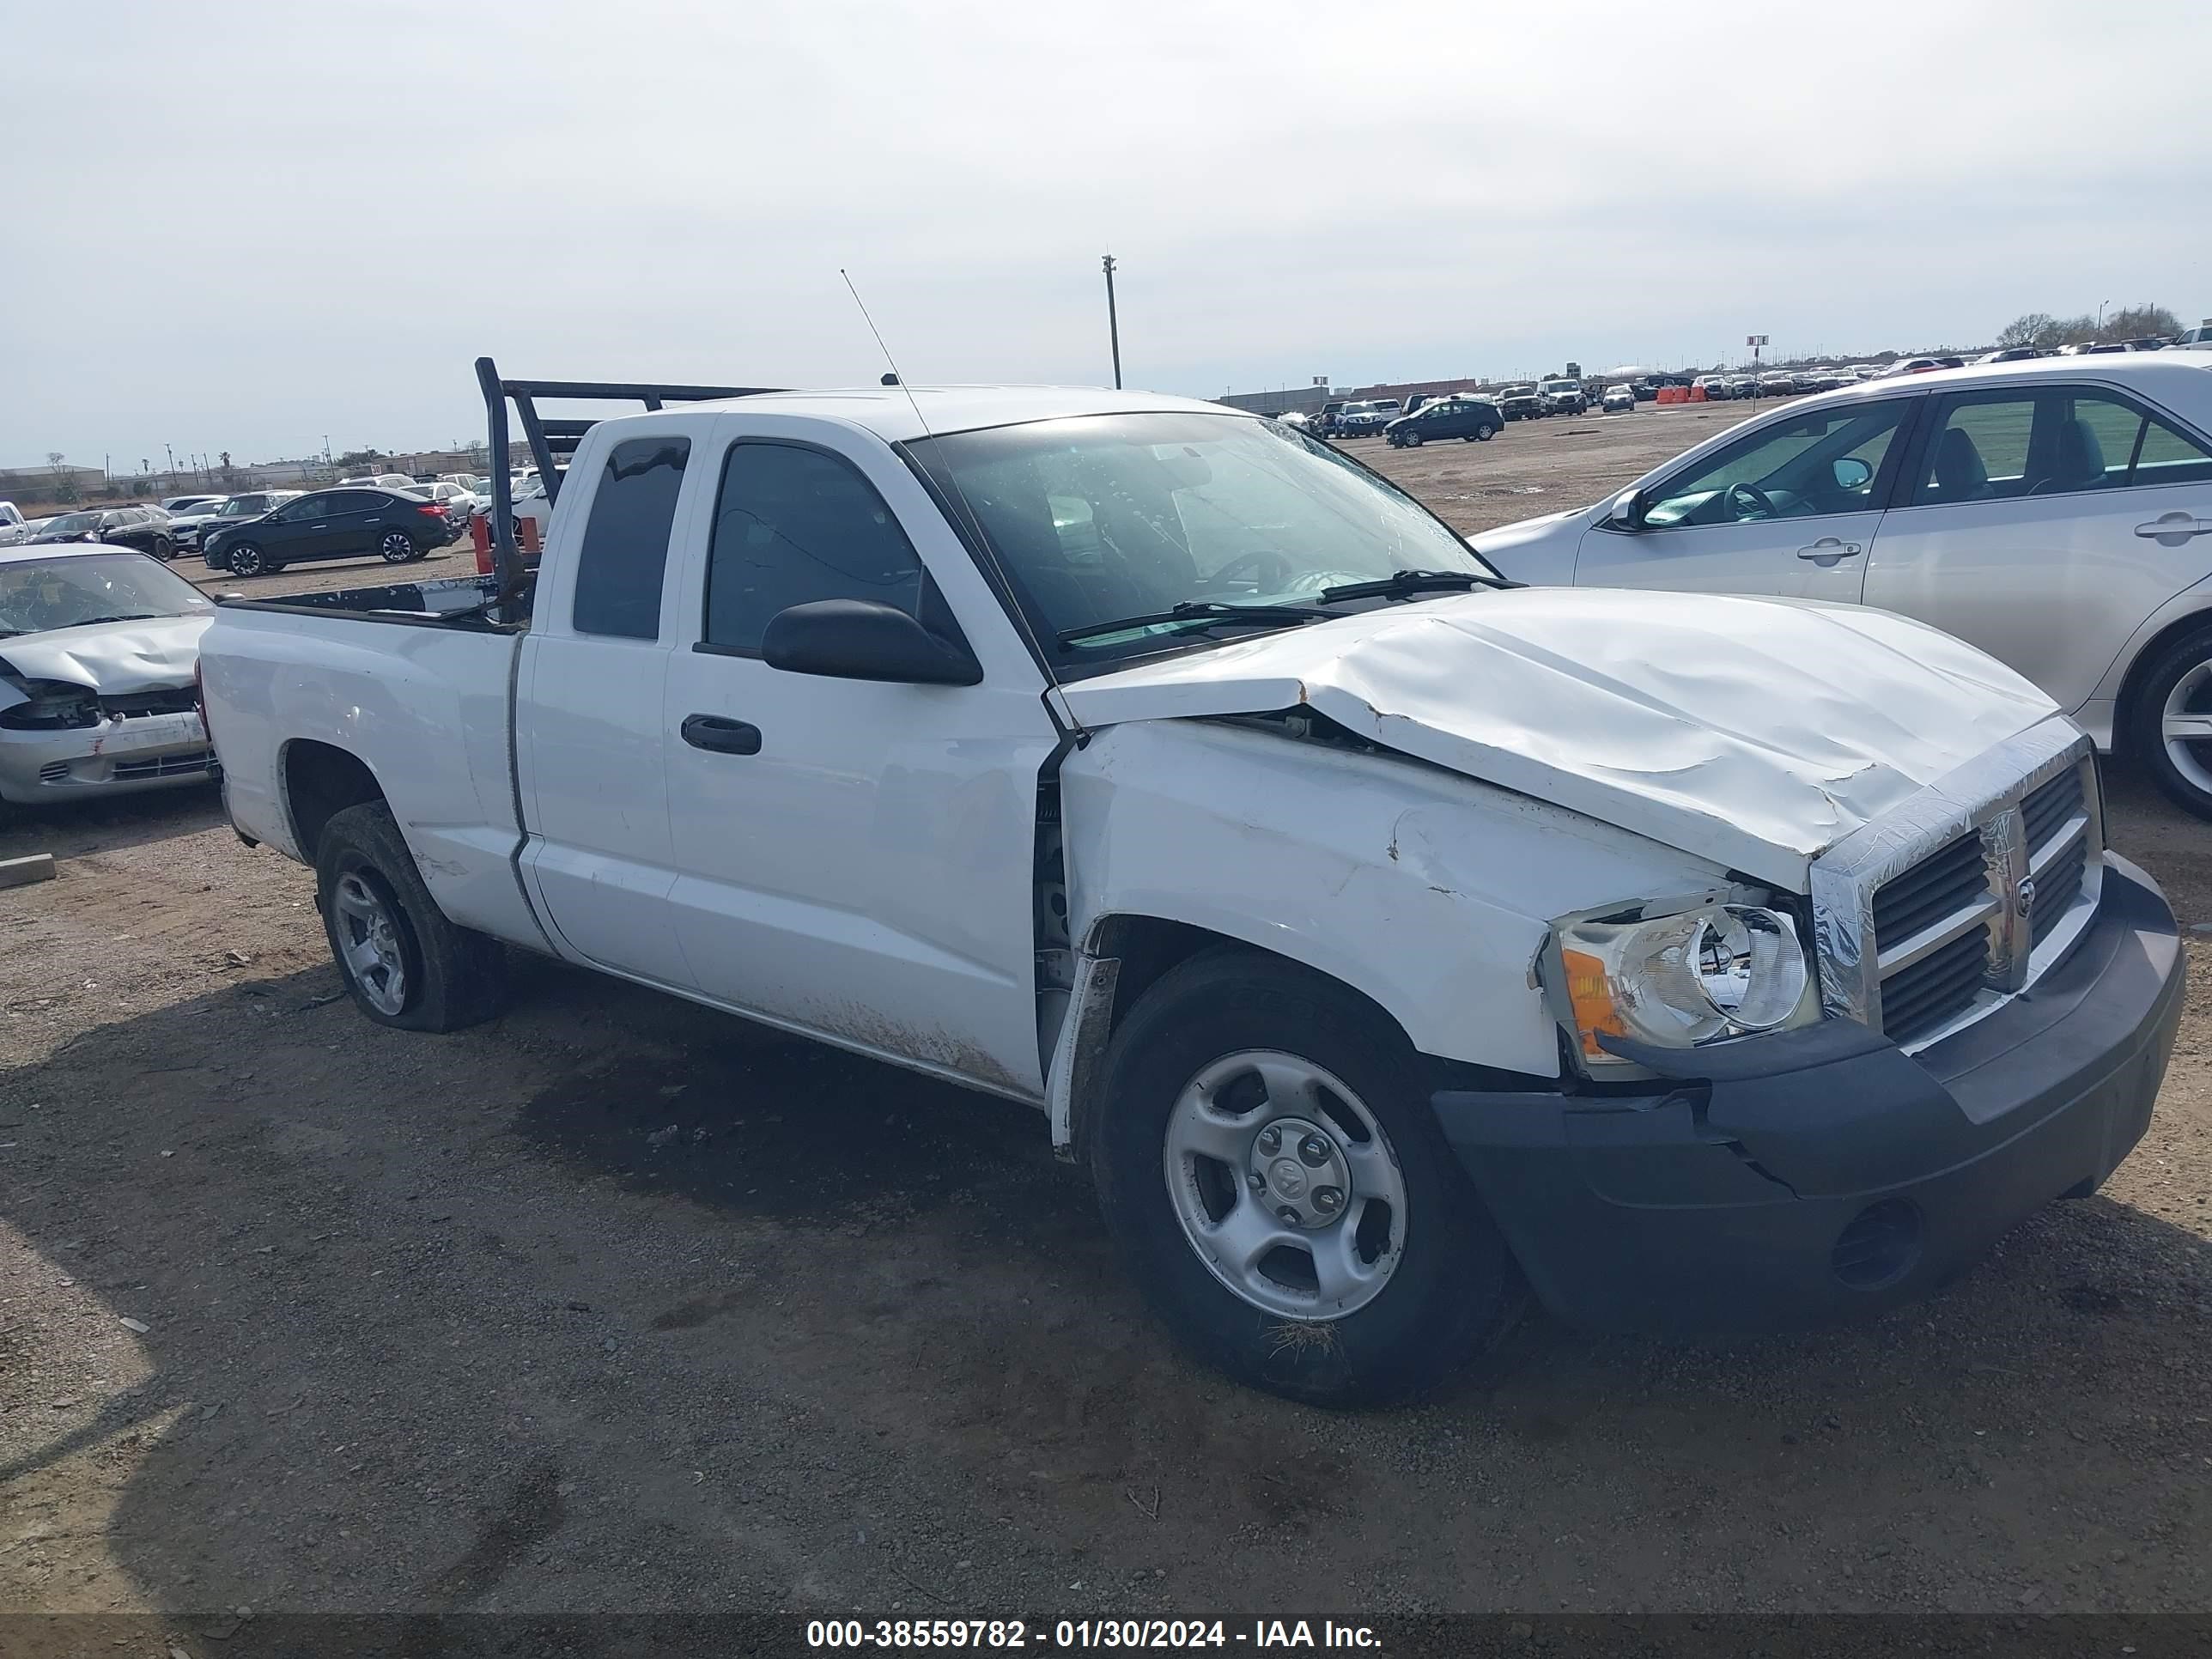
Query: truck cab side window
{"type": "Point", "coordinates": [792, 525]}
{"type": "Point", "coordinates": [624, 554]}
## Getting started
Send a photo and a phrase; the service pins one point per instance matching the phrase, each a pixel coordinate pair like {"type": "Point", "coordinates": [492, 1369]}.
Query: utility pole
{"type": "Point", "coordinates": [172, 454]}
{"type": "Point", "coordinates": [1113, 323]}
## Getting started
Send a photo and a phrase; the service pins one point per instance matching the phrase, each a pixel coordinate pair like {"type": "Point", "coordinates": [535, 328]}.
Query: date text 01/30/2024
{"type": "Point", "coordinates": [1261, 1633]}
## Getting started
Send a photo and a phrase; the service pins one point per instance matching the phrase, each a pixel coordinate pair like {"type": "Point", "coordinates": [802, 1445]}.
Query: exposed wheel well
{"type": "Point", "coordinates": [2124, 711]}
{"type": "Point", "coordinates": [320, 781]}
{"type": "Point", "coordinates": [1147, 948]}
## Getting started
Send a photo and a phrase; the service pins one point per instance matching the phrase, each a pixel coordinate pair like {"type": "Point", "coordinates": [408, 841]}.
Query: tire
{"type": "Point", "coordinates": [404, 963]}
{"type": "Point", "coordinates": [1412, 441]}
{"type": "Point", "coordinates": [2178, 684]}
{"type": "Point", "coordinates": [246, 559]}
{"type": "Point", "coordinates": [395, 547]}
{"type": "Point", "coordinates": [1486, 433]}
{"type": "Point", "coordinates": [163, 548]}
{"type": "Point", "coordinates": [1441, 1283]}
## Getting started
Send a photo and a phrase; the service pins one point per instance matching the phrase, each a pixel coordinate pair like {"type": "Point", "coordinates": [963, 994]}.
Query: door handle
{"type": "Point", "coordinates": [2172, 529]}
{"type": "Point", "coordinates": [723, 737]}
{"type": "Point", "coordinates": [1830, 547]}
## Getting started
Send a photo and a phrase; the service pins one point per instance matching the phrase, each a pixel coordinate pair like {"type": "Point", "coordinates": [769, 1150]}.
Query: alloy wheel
{"type": "Point", "coordinates": [2185, 726]}
{"type": "Point", "coordinates": [368, 936]}
{"type": "Point", "coordinates": [1285, 1185]}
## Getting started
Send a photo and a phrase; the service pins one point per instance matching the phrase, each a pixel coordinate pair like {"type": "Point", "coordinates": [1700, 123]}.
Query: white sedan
{"type": "Point", "coordinates": [2056, 512]}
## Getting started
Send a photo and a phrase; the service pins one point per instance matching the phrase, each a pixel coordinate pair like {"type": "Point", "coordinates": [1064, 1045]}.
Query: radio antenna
{"type": "Point", "coordinates": [978, 536]}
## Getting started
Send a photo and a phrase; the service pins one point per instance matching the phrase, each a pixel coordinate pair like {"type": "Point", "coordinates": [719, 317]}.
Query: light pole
{"type": "Point", "coordinates": [2101, 304]}
{"type": "Point", "coordinates": [1113, 323]}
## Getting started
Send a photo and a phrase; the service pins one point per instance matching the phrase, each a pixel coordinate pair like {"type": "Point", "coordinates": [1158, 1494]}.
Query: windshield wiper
{"type": "Point", "coordinates": [1400, 584]}
{"type": "Point", "coordinates": [1196, 610]}
{"type": "Point", "coordinates": [94, 621]}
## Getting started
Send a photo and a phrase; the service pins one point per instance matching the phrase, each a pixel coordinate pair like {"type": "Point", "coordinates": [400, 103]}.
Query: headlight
{"type": "Point", "coordinates": [1716, 971]}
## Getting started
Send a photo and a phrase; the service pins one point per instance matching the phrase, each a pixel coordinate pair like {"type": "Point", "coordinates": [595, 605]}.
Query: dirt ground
{"type": "Point", "coordinates": [422, 1324]}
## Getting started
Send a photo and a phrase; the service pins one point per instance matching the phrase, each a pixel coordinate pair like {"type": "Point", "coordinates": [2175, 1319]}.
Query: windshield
{"type": "Point", "coordinates": [1562, 385]}
{"type": "Point", "coordinates": [243, 507]}
{"type": "Point", "coordinates": [38, 595]}
{"type": "Point", "coordinates": [72, 524]}
{"type": "Point", "coordinates": [1102, 517]}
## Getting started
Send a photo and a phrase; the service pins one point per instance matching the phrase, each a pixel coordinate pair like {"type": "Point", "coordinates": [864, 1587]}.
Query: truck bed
{"type": "Point", "coordinates": [461, 602]}
{"type": "Point", "coordinates": [304, 692]}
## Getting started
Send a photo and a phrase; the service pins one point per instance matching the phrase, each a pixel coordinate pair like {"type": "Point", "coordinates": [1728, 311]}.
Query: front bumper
{"type": "Point", "coordinates": [1824, 1173]}
{"type": "Point", "coordinates": [118, 756]}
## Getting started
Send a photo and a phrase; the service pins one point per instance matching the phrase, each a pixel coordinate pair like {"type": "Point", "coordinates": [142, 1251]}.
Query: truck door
{"type": "Point", "coordinates": [856, 856]}
{"type": "Point", "coordinates": [588, 705]}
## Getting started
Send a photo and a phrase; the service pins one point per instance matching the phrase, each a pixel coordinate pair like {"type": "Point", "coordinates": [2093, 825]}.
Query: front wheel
{"type": "Point", "coordinates": [245, 559]}
{"type": "Point", "coordinates": [395, 547]}
{"type": "Point", "coordinates": [1269, 1163]}
{"type": "Point", "coordinates": [1412, 440]}
{"type": "Point", "coordinates": [2171, 728]}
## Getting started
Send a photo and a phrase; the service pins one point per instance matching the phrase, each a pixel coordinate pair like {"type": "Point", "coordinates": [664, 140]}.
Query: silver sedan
{"type": "Point", "coordinates": [97, 650]}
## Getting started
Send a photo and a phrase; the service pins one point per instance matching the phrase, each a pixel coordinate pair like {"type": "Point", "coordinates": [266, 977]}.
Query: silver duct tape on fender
{"type": "Point", "coordinates": [1979, 797]}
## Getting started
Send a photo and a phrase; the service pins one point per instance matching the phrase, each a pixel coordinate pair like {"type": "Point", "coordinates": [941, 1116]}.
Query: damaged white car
{"type": "Point", "coordinates": [97, 651]}
{"type": "Point", "coordinates": [1384, 937]}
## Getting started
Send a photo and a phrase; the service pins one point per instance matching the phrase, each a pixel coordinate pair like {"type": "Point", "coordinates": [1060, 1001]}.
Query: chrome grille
{"type": "Point", "coordinates": [1932, 936]}
{"type": "Point", "coordinates": [1923, 996]}
{"type": "Point", "coordinates": [1938, 886]}
{"type": "Point", "coordinates": [2054, 819]}
{"type": "Point", "coordinates": [1961, 893]}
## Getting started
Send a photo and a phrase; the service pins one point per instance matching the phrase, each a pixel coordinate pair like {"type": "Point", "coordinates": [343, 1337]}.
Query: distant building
{"type": "Point", "coordinates": [24, 485]}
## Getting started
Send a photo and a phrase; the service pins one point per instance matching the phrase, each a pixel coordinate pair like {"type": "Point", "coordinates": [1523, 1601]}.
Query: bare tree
{"type": "Point", "coordinates": [2140, 322]}
{"type": "Point", "coordinates": [2027, 329]}
{"type": "Point", "coordinates": [64, 480]}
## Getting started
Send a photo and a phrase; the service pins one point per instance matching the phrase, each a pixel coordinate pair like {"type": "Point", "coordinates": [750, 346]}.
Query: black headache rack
{"type": "Point", "coordinates": [553, 440]}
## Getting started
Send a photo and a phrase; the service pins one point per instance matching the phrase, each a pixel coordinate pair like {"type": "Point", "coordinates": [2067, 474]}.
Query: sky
{"type": "Point", "coordinates": [255, 227]}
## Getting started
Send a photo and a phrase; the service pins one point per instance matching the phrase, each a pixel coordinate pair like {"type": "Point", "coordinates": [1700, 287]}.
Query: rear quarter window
{"type": "Point", "coordinates": [623, 559]}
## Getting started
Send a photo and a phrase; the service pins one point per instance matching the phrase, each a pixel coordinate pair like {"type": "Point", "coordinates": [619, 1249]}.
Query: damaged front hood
{"type": "Point", "coordinates": [112, 659]}
{"type": "Point", "coordinates": [1754, 732]}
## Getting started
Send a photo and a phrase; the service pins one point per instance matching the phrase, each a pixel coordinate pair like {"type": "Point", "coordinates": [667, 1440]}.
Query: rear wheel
{"type": "Point", "coordinates": [1268, 1162]}
{"type": "Point", "coordinates": [395, 547]}
{"type": "Point", "coordinates": [405, 963]}
{"type": "Point", "coordinates": [246, 559]}
{"type": "Point", "coordinates": [2171, 728]}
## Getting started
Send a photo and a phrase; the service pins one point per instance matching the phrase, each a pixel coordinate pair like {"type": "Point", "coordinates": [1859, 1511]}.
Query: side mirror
{"type": "Point", "coordinates": [864, 640]}
{"type": "Point", "coordinates": [1628, 510]}
{"type": "Point", "coordinates": [1852, 472]}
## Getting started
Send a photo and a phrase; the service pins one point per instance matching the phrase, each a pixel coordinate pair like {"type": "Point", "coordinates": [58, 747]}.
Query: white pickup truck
{"type": "Point", "coordinates": [1388, 940]}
